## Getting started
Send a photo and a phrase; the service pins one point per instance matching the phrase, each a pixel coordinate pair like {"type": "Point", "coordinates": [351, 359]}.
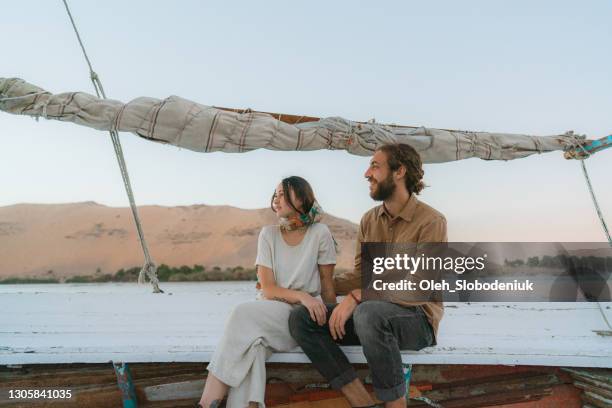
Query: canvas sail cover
{"type": "Point", "coordinates": [190, 125]}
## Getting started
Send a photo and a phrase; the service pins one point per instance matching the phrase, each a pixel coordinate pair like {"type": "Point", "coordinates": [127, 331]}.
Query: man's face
{"type": "Point", "coordinates": [380, 176]}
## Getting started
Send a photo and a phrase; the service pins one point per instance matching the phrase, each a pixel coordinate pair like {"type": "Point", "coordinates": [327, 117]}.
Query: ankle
{"type": "Point", "coordinates": [209, 404]}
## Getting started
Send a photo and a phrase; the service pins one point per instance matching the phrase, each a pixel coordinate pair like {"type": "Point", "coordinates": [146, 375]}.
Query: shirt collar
{"type": "Point", "coordinates": [407, 211]}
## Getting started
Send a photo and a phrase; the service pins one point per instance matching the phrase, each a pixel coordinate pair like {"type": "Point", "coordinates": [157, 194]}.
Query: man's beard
{"type": "Point", "coordinates": [384, 189]}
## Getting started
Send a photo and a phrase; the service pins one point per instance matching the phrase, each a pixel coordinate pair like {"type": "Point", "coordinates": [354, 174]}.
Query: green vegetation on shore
{"type": "Point", "coordinates": [165, 273]}
{"type": "Point", "coordinates": [16, 281]}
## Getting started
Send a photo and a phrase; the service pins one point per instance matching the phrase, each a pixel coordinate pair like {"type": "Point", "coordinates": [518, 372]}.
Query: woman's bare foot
{"type": "Point", "coordinates": [214, 392]}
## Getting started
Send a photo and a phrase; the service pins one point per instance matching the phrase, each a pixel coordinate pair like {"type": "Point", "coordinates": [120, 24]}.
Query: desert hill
{"type": "Point", "coordinates": [88, 238]}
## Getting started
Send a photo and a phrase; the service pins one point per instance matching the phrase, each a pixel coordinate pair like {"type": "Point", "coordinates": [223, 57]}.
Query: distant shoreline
{"type": "Point", "coordinates": [165, 273]}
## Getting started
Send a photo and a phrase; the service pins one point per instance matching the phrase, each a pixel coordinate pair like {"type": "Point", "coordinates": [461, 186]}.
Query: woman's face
{"type": "Point", "coordinates": [280, 204]}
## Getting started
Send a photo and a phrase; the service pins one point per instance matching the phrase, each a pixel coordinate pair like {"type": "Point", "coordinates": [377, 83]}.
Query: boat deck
{"type": "Point", "coordinates": [85, 323]}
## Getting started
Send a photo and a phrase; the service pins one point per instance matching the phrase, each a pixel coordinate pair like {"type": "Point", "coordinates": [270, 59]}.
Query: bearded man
{"type": "Point", "coordinates": [382, 327]}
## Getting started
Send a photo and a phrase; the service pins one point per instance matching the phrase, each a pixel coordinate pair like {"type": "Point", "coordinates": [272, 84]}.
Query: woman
{"type": "Point", "coordinates": [295, 263]}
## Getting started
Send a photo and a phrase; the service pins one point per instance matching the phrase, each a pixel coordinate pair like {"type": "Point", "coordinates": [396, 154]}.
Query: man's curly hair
{"type": "Point", "coordinates": [399, 154]}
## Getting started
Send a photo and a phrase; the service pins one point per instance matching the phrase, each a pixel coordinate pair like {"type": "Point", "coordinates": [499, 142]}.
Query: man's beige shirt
{"type": "Point", "coordinates": [416, 223]}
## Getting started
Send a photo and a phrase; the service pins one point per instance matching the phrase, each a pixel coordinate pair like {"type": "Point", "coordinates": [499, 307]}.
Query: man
{"type": "Point", "coordinates": [382, 327]}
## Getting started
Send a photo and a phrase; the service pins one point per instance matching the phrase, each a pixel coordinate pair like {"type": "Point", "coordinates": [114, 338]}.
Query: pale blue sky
{"type": "Point", "coordinates": [513, 66]}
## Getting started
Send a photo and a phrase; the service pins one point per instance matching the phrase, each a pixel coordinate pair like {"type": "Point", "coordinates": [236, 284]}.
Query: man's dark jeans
{"type": "Point", "coordinates": [382, 328]}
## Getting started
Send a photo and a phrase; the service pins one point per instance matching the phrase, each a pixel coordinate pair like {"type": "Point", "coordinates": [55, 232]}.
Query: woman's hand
{"type": "Point", "coordinates": [339, 316]}
{"type": "Point", "coordinates": [316, 308]}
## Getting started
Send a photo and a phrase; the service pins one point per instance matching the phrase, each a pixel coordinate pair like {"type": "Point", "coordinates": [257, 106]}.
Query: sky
{"type": "Point", "coordinates": [529, 67]}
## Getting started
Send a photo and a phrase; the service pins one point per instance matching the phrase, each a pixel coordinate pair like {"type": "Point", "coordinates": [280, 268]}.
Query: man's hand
{"type": "Point", "coordinates": [340, 315]}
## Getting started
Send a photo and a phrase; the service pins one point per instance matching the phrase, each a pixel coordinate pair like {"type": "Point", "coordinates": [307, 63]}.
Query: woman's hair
{"type": "Point", "coordinates": [302, 190]}
{"type": "Point", "coordinates": [400, 154]}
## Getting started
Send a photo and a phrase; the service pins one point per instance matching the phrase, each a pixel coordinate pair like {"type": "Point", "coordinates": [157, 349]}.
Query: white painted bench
{"type": "Point", "coordinates": [97, 324]}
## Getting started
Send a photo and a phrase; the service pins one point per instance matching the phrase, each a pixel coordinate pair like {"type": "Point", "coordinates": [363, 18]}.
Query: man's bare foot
{"type": "Point", "coordinates": [356, 394]}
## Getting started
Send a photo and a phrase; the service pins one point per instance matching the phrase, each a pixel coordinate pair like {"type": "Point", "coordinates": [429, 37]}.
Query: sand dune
{"type": "Point", "coordinates": [88, 238]}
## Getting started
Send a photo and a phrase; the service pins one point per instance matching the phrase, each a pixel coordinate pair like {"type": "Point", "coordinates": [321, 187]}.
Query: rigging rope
{"type": "Point", "coordinates": [595, 203]}
{"type": "Point", "coordinates": [601, 219]}
{"type": "Point", "coordinates": [149, 269]}
{"type": "Point", "coordinates": [603, 224]}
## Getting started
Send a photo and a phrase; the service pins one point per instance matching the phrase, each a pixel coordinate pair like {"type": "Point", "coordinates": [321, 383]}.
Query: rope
{"type": "Point", "coordinates": [595, 203]}
{"type": "Point", "coordinates": [149, 269]}
{"type": "Point", "coordinates": [603, 224]}
{"type": "Point", "coordinates": [13, 98]}
{"type": "Point", "coordinates": [576, 143]}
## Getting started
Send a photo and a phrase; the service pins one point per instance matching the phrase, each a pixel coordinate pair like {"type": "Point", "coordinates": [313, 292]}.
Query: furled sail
{"type": "Point", "coordinates": [190, 125]}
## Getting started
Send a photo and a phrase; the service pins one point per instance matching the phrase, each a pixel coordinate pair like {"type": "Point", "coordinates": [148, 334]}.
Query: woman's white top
{"type": "Point", "coordinates": [296, 266]}
{"type": "Point", "coordinates": [256, 329]}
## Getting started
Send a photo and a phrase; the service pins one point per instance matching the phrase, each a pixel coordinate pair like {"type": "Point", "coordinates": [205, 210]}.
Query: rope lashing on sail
{"type": "Point", "coordinates": [149, 269]}
{"type": "Point", "coordinates": [14, 98]}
